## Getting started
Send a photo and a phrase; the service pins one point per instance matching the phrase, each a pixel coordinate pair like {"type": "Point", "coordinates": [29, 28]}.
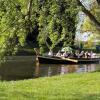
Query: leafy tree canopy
{"type": "Point", "coordinates": [49, 21]}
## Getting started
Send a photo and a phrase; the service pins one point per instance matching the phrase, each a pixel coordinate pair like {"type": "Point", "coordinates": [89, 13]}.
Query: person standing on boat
{"type": "Point", "coordinates": [50, 53]}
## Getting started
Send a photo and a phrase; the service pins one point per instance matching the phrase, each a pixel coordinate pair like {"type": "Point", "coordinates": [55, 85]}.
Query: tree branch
{"type": "Point", "coordinates": [29, 15]}
{"type": "Point", "coordinates": [46, 41]}
{"type": "Point", "coordinates": [60, 40]}
{"type": "Point", "coordinates": [89, 14]}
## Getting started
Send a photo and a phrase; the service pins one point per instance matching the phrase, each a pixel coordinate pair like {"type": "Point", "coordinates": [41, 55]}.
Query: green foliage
{"type": "Point", "coordinates": [58, 25]}
{"type": "Point", "coordinates": [95, 10]}
{"type": "Point", "coordinates": [53, 19]}
{"type": "Point", "coordinates": [12, 27]}
{"type": "Point", "coordinates": [89, 26]}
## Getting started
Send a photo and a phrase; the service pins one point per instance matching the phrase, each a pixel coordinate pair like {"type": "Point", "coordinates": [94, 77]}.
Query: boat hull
{"type": "Point", "coordinates": [58, 60]}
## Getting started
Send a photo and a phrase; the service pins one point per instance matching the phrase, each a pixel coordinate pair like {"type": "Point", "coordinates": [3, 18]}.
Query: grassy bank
{"type": "Point", "coordinates": [64, 87]}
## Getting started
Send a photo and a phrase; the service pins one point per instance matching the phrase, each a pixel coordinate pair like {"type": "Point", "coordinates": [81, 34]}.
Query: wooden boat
{"type": "Point", "coordinates": [60, 60]}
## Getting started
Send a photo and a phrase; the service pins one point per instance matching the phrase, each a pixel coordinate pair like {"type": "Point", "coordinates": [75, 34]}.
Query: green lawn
{"type": "Point", "coordinates": [64, 87]}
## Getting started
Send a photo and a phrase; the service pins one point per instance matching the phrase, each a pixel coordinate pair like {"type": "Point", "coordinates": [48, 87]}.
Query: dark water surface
{"type": "Point", "coordinates": [25, 67]}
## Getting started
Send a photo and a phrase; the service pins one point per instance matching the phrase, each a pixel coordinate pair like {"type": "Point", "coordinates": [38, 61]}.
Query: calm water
{"type": "Point", "coordinates": [17, 68]}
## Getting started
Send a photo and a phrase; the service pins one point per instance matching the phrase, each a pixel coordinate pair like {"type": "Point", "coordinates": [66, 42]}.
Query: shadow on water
{"type": "Point", "coordinates": [20, 68]}
{"type": "Point", "coordinates": [17, 68]}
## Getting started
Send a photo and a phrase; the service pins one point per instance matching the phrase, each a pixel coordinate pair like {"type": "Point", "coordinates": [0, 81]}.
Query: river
{"type": "Point", "coordinates": [24, 67]}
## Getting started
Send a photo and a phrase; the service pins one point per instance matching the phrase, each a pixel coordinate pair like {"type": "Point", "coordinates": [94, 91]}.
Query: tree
{"type": "Point", "coordinates": [52, 21]}
{"type": "Point", "coordinates": [11, 27]}
{"type": "Point", "coordinates": [58, 25]}
{"type": "Point", "coordinates": [49, 22]}
{"type": "Point", "coordinates": [89, 14]}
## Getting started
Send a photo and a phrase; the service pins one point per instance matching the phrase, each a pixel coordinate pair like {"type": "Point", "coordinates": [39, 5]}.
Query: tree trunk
{"type": "Point", "coordinates": [89, 14]}
{"type": "Point", "coordinates": [29, 15]}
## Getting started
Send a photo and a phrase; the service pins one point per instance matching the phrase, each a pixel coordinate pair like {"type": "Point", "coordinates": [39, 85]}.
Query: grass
{"type": "Point", "coordinates": [64, 87]}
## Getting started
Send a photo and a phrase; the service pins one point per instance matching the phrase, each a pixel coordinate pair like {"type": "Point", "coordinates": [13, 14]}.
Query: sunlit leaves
{"type": "Point", "coordinates": [96, 11]}
{"type": "Point", "coordinates": [53, 20]}
{"type": "Point", "coordinates": [88, 25]}
{"type": "Point", "coordinates": [12, 27]}
{"type": "Point", "coordinates": [57, 21]}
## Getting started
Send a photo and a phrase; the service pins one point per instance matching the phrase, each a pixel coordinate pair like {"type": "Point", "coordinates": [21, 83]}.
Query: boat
{"type": "Point", "coordinates": [62, 60]}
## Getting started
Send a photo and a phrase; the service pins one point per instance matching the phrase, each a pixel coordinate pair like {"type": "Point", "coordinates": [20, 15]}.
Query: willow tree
{"type": "Point", "coordinates": [49, 21]}
{"type": "Point", "coordinates": [11, 27]}
{"type": "Point", "coordinates": [57, 19]}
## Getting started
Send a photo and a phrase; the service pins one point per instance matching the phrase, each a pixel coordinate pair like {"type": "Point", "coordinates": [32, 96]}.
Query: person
{"type": "Point", "coordinates": [87, 54]}
{"type": "Point", "coordinates": [65, 54]}
{"type": "Point", "coordinates": [76, 54]}
{"type": "Point", "coordinates": [82, 54]}
{"type": "Point", "coordinates": [58, 54]}
{"type": "Point", "coordinates": [92, 54]}
{"type": "Point", "coordinates": [50, 53]}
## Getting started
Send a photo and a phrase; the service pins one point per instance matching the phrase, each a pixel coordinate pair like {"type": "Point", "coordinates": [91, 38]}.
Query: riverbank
{"type": "Point", "coordinates": [65, 87]}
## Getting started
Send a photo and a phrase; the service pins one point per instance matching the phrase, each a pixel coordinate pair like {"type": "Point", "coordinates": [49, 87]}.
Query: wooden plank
{"type": "Point", "coordinates": [69, 59]}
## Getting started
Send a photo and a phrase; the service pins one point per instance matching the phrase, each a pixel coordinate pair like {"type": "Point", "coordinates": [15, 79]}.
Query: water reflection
{"type": "Point", "coordinates": [68, 69]}
{"type": "Point", "coordinates": [26, 67]}
{"type": "Point", "coordinates": [50, 70]}
{"type": "Point", "coordinates": [17, 69]}
{"type": "Point", "coordinates": [77, 68]}
{"type": "Point", "coordinates": [47, 70]}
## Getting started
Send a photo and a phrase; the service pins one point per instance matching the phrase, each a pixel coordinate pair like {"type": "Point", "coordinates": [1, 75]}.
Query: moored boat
{"type": "Point", "coordinates": [61, 60]}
